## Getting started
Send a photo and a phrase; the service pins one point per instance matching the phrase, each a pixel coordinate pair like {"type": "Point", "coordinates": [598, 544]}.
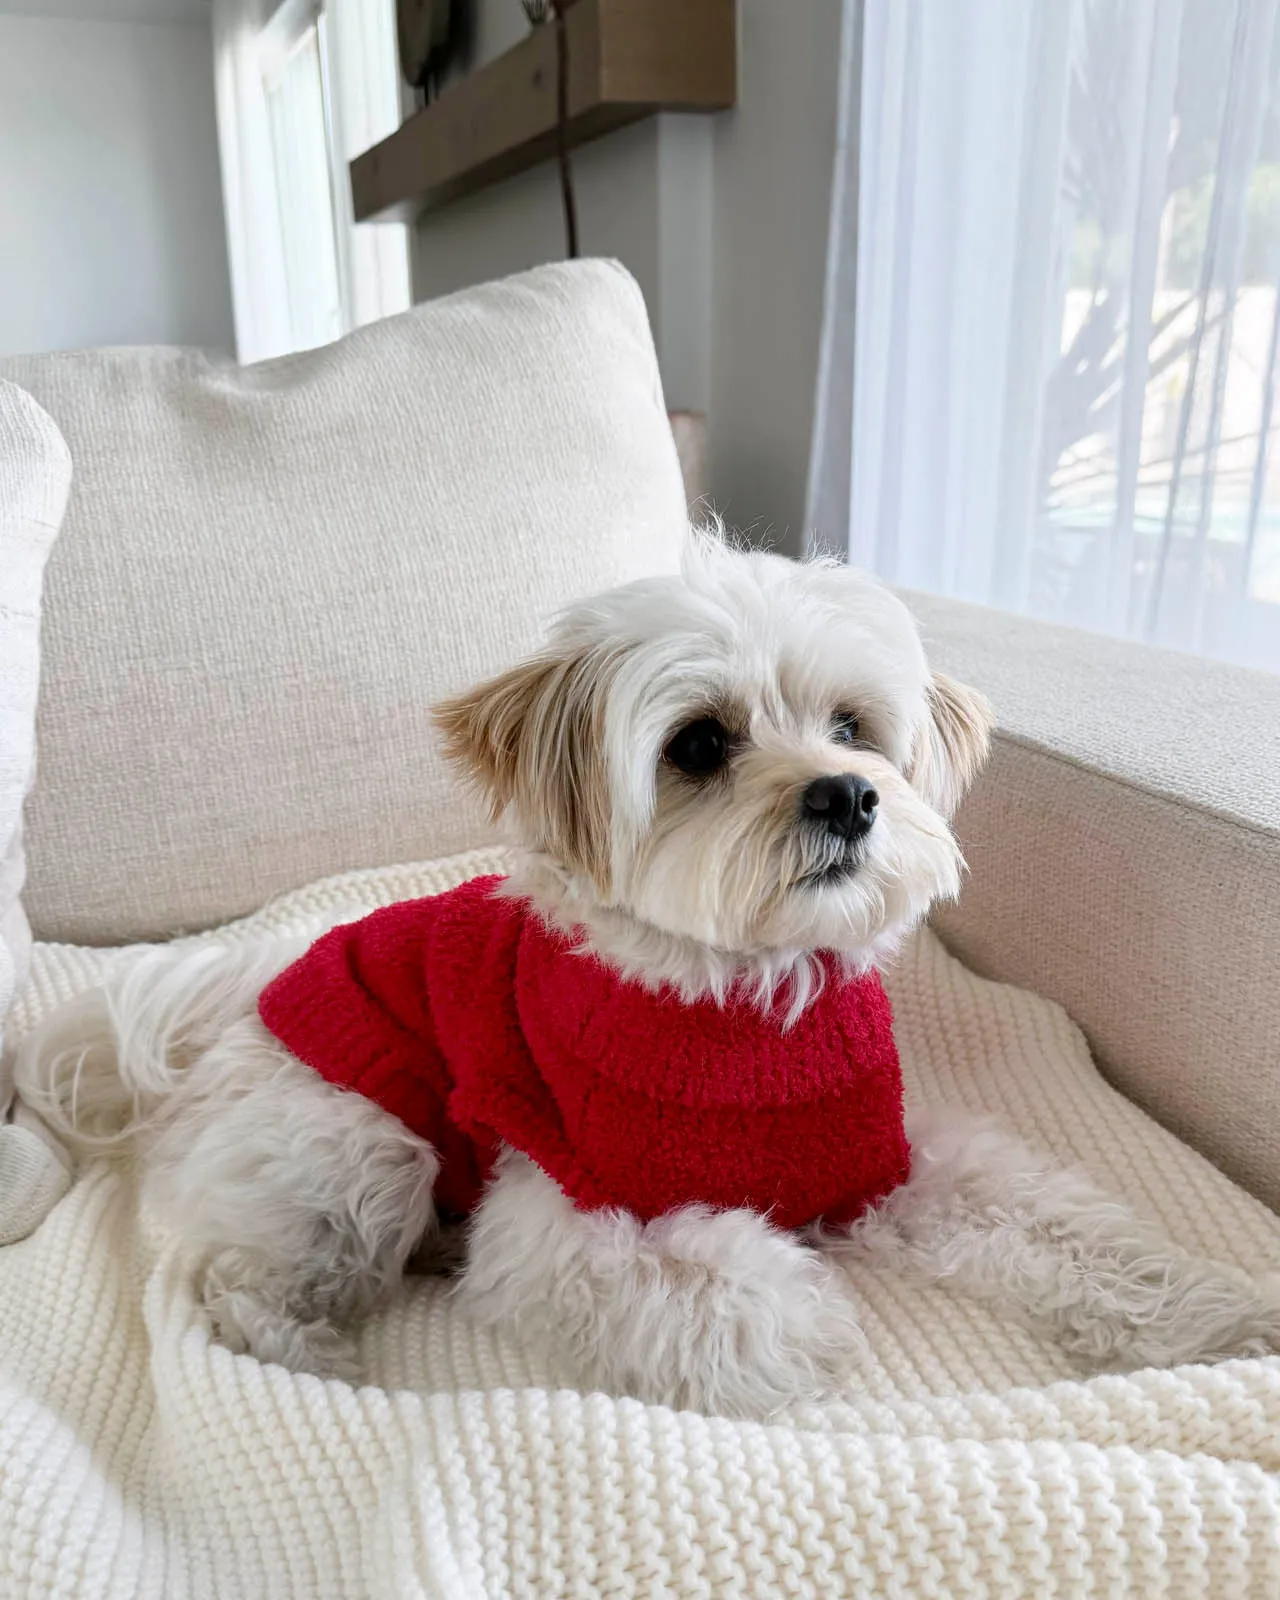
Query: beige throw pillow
{"type": "Point", "coordinates": [267, 574]}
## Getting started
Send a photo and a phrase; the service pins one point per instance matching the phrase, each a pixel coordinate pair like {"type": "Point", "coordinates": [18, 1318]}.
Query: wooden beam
{"type": "Point", "coordinates": [627, 59]}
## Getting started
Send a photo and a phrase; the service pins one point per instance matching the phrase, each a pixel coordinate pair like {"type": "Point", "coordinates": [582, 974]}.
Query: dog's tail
{"type": "Point", "coordinates": [99, 1069]}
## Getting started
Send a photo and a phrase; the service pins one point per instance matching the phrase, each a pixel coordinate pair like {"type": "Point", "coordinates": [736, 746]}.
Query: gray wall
{"type": "Point", "coordinates": [110, 196]}
{"type": "Point", "coordinates": [723, 220]}
{"type": "Point", "coordinates": [773, 160]}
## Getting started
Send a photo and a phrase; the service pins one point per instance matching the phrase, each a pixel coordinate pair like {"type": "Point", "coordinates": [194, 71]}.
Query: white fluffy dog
{"type": "Point", "coordinates": [658, 763]}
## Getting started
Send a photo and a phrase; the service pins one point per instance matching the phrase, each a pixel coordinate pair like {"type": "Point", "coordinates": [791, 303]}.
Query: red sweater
{"type": "Point", "coordinates": [470, 1020]}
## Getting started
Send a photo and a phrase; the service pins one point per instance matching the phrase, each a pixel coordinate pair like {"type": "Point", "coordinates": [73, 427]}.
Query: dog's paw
{"type": "Point", "coordinates": [755, 1357]}
{"type": "Point", "coordinates": [726, 1316]}
{"type": "Point", "coordinates": [249, 1320]}
{"type": "Point", "coordinates": [315, 1347]}
{"type": "Point", "coordinates": [715, 1311]}
{"type": "Point", "coordinates": [1163, 1311]}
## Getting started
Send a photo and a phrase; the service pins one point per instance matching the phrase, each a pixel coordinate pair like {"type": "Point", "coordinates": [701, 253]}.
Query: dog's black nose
{"type": "Point", "coordinates": [846, 805]}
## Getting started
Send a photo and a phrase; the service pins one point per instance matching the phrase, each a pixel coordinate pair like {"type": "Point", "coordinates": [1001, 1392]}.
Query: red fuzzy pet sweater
{"type": "Point", "coordinates": [477, 1026]}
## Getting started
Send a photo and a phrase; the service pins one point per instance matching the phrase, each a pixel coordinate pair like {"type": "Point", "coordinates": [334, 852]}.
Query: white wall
{"type": "Point", "coordinates": [111, 227]}
{"type": "Point", "coordinates": [723, 220]}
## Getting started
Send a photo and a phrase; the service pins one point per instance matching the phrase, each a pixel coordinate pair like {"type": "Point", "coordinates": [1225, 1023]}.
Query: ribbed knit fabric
{"type": "Point", "coordinates": [468, 1018]}
{"type": "Point", "coordinates": [139, 1459]}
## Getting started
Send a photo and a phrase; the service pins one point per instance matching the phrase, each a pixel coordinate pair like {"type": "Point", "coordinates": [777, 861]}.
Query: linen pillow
{"type": "Point", "coordinates": [35, 471]}
{"type": "Point", "coordinates": [267, 574]}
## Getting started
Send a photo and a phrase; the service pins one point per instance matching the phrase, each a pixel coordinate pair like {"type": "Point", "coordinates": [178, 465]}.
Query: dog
{"type": "Point", "coordinates": [731, 789]}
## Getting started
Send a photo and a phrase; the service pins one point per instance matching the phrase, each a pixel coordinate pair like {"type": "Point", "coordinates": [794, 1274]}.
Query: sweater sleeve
{"type": "Point", "coordinates": [354, 1008]}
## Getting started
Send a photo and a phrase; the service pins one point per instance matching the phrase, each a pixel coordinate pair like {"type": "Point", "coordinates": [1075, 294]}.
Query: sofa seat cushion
{"type": "Point", "coordinates": [967, 1458]}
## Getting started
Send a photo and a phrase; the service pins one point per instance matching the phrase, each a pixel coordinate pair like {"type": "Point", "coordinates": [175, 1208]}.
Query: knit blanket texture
{"type": "Point", "coordinates": [969, 1458]}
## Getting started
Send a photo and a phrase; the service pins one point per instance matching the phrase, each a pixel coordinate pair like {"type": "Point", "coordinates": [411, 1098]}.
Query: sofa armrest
{"type": "Point", "coordinates": [1124, 853]}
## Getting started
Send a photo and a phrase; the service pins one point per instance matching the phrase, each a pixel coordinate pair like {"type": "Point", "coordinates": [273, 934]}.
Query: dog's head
{"type": "Point", "coordinates": [752, 756]}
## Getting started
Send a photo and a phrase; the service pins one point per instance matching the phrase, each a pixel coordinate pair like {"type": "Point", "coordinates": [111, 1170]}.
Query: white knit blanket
{"type": "Point", "coordinates": [139, 1459]}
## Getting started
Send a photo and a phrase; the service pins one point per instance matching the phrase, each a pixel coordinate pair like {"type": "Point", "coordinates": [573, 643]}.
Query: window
{"type": "Point", "coordinates": [297, 97]}
{"type": "Point", "coordinates": [1052, 337]}
{"type": "Point", "coordinates": [303, 86]}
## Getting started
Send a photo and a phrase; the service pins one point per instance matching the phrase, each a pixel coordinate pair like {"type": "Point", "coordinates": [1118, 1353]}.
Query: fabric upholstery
{"type": "Point", "coordinates": [268, 574]}
{"type": "Point", "coordinates": [34, 474]}
{"type": "Point", "coordinates": [967, 1458]}
{"type": "Point", "coordinates": [1124, 847]}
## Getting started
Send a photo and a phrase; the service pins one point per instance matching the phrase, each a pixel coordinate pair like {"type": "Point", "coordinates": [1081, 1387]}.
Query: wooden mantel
{"type": "Point", "coordinates": [627, 59]}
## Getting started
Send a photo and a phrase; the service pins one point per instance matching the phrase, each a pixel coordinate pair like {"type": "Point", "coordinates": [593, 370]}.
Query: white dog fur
{"type": "Point", "coordinates": [300, 1205]}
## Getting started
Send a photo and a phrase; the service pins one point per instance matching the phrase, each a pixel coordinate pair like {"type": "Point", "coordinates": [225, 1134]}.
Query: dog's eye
{"type": "Point", "coordinates": [844, 727]}
{"type": "Point", "coordinates": [700, 748]}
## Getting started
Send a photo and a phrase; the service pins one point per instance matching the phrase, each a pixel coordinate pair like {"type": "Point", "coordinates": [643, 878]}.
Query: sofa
{"type": "Point", "coordinates": [260, 580]}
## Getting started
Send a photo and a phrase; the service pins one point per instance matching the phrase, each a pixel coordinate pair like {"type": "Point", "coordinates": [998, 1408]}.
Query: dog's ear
{"type": "Point", "coordinates": [485, 727]}
{"type": "Point", "coordinates": [532, 739]}
{"type": "Point", "coordinates": [952, 745]}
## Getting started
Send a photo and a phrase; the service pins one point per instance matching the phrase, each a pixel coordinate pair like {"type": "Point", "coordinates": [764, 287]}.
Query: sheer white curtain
{"type": "Point", "coordinates": [1049, 358]}
{"type": "Point", "coordinates": [302, 86]}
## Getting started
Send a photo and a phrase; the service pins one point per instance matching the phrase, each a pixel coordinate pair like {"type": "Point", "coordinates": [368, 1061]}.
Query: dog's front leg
{"type": "Point", "coordinates": [714, 1311]}
{"type": "Point", "coordinates": [986, 1215]}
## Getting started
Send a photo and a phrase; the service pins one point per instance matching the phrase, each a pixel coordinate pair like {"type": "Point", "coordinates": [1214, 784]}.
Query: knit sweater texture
{"type": "Point", "coordinates": [476, 1024]}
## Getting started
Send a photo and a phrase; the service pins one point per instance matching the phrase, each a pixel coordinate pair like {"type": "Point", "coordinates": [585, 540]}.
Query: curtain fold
{"type": "Point", "coordinates": [276, 223]}
{"type": "Point", "coordinates": [1047, 378]}
{"type": "Point", "coordinates": [255, 247]}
